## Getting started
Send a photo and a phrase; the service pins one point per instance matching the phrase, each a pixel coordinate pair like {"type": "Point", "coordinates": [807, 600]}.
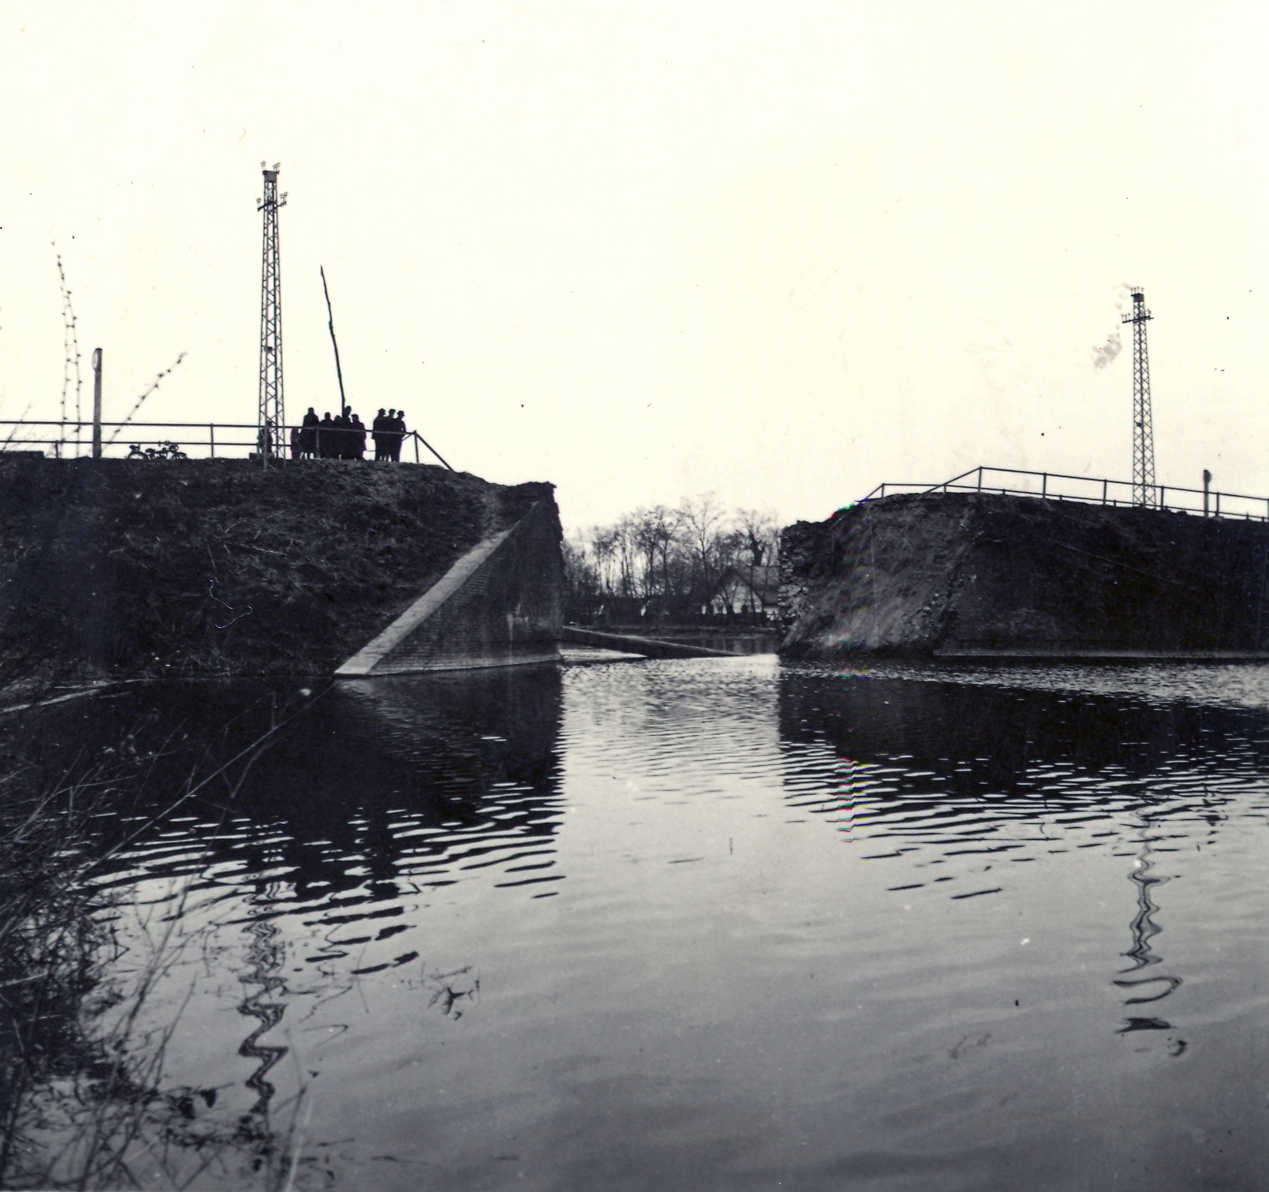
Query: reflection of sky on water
{"type": "Point", "coordinates": [953, 782]}
{"type": "Point", "coordinates": [715, 924]}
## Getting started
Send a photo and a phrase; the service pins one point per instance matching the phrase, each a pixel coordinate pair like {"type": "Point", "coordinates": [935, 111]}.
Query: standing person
{"type": "Point", "coordinates": [296, 442]}
{"type": "Point", "coordinates": [358, 436]}
{"type": "Point", "coordinates": [377, 428]}
{"type": "Point", "coordinates": [350, 436]}
{"type": "Point", "coordinates": [264, 440]}
{"type": "Point", "coordinates": [308, 434]}
{"type": "Point", "coordinates": [398, 436]}
{"type": "Point", "coordinates": [341, 434]}
{"type": "Point", "coordinates": [389, 433]}
{"type": "Point", "coordinates": [327, 435]}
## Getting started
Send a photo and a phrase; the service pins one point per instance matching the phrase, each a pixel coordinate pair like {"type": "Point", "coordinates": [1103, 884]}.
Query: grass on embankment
{"type": "Point", "coordinates": [138, 569]}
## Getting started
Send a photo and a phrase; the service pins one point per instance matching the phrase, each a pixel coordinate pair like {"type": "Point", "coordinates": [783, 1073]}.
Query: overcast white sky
{"type": "Point", "coordinates": [778, 252]}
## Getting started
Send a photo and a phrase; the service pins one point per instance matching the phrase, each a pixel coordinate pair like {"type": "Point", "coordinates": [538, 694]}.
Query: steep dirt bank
{"type": "Point", "coordinates": [136, 569]}
{"type": "Point", "coordinates": [934, 573]}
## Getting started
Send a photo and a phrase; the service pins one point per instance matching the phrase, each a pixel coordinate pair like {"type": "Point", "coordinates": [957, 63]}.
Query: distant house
{"type": "Point", "coordinates": [751, 592]}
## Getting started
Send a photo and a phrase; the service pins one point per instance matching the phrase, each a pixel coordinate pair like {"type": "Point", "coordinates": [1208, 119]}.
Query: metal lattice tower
{"type": "Point", "coordinates": [1143, 487]}
{"type": "Point", "coordinates": [271, 420]}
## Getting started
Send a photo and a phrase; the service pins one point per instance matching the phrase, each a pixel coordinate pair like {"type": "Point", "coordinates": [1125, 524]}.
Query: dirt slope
{"type": "Point", "coordinates": [939, 573]}
{"type": "Point", "coordinates": [114, 568]}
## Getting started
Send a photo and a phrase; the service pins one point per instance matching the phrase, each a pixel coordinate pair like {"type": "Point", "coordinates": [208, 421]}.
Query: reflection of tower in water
{"type": "Point", "coordinates": [266, 954]}
{"type": "Point", "coordinates": [846, 776]}
{"type": "Point", "coordinates": [1145, 988]}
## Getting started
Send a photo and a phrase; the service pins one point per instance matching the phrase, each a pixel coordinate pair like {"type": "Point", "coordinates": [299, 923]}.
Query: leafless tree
{"type": "Point", "coordinates": [680, 555]}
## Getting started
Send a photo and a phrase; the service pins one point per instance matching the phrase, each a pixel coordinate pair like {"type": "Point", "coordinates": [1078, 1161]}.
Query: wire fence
{"type": "Point", "coordinates": [64, 439]}
{"type": "Point", "coordinates": [1057, 486]}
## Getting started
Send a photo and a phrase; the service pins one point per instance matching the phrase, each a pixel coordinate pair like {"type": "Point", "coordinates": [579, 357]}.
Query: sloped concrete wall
{"type": "Point", "coordinates": [500, 604]}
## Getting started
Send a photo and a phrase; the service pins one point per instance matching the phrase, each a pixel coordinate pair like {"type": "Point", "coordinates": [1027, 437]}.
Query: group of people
{"type": "Point", "coordinates": [344, 436]}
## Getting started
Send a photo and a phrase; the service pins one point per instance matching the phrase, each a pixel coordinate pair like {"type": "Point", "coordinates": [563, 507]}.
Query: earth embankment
{"type": "Point", "coordinates": [114, 569]}
{"type": "Point", "coordinates": [977, 573]}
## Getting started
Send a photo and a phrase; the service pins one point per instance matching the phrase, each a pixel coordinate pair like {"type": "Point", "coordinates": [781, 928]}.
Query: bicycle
{"type": "Point", "coordinates": [166, 450]}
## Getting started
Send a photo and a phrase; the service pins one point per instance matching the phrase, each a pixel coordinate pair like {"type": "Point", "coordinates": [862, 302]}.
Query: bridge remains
{"type": "Point", "coordinates": [970, 573]}
{"type": "Point", "coordinates": [116, 569]}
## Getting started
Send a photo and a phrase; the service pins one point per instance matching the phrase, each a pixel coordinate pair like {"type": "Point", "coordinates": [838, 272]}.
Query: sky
{"type": "Point", "coordinates": [775, 252]}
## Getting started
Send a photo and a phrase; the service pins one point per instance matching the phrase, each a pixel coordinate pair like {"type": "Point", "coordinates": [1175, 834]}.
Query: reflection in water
{"type": "Point", "coordinates": [1144, 929]}
{"type": "Point", "coordinates": [959, 782]}
{"type": "Point", "coordinates": [266, 957]}
{"type": "Point", "coordinates": [314, 855]}
{"type": "Point", "coordinates": [931, 762]}
{"type": "Point", "coordinates": [527, 929]}
{"type": "Point", "coordinates": [375, 792]}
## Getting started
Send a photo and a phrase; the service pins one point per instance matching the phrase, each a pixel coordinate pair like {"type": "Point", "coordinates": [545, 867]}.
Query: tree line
{"type": "Point", "coordinates": [693, 562]}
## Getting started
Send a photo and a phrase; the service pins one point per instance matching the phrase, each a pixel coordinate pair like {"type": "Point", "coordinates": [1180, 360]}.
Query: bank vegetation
{"type": "Point", "coordinates": [694, 564]}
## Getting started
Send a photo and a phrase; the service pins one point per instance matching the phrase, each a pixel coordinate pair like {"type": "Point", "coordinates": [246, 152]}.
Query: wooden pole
{"type": "Point", "coordinates": [330, 322]}
{"type": "Point", "coordinates": [96, 403]}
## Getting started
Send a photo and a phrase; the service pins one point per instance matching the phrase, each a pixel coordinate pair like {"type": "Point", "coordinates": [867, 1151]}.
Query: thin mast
{"type": "Point", "coordinates": [1144, 491]}
{"type": "Point", "coordinates": [272, 415]}
{"type": "Point", "coordinates": [330, 315]}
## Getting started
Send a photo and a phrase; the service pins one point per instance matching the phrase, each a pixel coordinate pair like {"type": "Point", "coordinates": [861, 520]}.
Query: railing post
{"type": "Point", "coordinates": [980, 477]}
{"type": "Point", "coordinates": [1044, 484]}
{"type": "Point", "coordinates": [97, 403]}
{"type": "Point", "coordinates": [1218, 504]}
{"type": "Point", "coordinates": [416, 446]}
{"type": "Point", "coordinates": [1163, 500]}
{"type": "Point", "coordinates": [1104, 484]}
{"type": "Point", "coordinates": [211, 438]}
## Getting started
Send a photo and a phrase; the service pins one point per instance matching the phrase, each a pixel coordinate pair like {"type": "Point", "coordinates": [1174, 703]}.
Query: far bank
{"type": "Point", "coordinates": [988, 575]}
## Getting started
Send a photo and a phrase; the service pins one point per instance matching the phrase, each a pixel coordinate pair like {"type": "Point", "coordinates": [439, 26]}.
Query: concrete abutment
{"type": "Point", "coordinates": [123, 569]}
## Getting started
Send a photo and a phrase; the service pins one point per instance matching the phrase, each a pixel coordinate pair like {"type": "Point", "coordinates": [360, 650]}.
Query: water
{"type": "Point", "coordinates": [701, 924]}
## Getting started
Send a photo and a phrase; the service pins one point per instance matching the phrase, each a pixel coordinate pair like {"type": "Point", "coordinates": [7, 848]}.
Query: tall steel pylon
{"type": "Point", "coordinates": [271, 420]}
{"type": "Point", "coordinates": [1143, 486]}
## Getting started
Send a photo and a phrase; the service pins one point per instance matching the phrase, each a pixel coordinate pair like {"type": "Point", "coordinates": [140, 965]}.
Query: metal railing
{"type": "Point", "coordinates": [210, 440]}
{"type": "Point", "coordinates": [1057, 486]}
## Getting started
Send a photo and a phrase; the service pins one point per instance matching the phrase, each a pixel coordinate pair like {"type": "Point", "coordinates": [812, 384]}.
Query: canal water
{"type": "Point", "coordinates": [689, 924]}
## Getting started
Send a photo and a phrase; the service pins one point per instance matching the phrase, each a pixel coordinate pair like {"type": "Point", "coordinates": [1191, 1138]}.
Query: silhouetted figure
{"type": "Point", "coordinates": [348, 439]}
{"type": "Point", "coordinates": [264, 440]}
{"type": "Point", "coordinates": [358, 434]}
{"type": "Point", "coordinates": [398, 436]}
{"type": "Point", "coordinates": [308, 434]}
{"type": "Point", "coordinates": [377, 429]}
{"type": "Point", "coordinates": [327, 437]}
{"type": "Point", "coordinates": [341, 434]}
{"type": "Point", "coordinates": [296, 442]}
{"type": "Point", "coordinates": [389, 433]}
